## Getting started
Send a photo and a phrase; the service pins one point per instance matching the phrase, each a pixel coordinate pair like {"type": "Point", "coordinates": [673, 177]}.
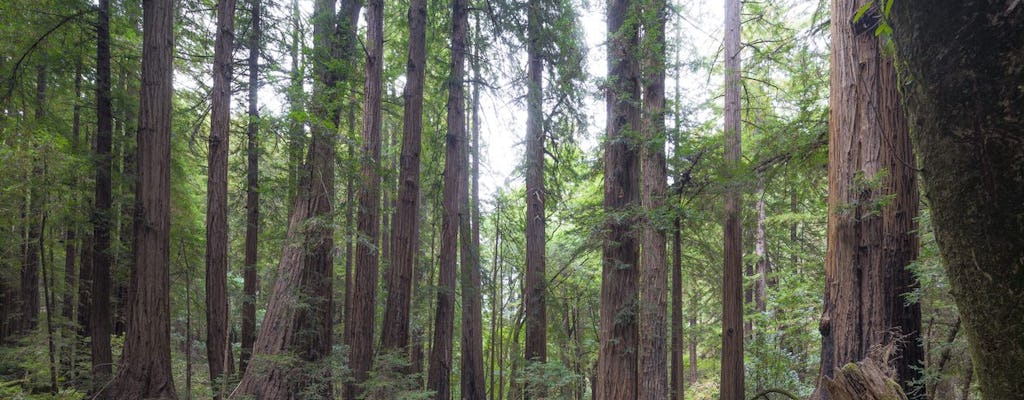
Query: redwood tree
{"type": "Point", "coordinates": [960, 64]}
{"type": "Point", "coordinates": [871, 239]}
{"type": "Point", "coordinates": [653, 369]}
{"type": "Point", "coordinates": [298, 318]}
{"type": "Point", "coordinates": [96, 303]}
{"type": "Point", "coordinates": [145, 366]}
{"type": "Point", "coordinates": [359, 327]}
{"type": "Point", "coordinates": [250, 275]}
{"type": "Point", "coordinates": [405, 224]}
{"type": "Point", "coordinates": [217, 198]}
{"type": "Point", "coordinates": [440, 363]}
{"type": "Point", "coordinates": [536, 276]}
{"type": "Point", "coordinates": [732, 274]}
{"type": "Point", "coordinates": [617, 357]}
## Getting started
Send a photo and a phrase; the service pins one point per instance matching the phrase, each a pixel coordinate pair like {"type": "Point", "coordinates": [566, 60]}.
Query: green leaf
{"type": "Point", "coordinates": [860, 11]}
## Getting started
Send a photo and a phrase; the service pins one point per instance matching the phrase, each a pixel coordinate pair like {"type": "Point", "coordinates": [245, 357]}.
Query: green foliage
{"type": "Point", "coordinates": [390, 379]}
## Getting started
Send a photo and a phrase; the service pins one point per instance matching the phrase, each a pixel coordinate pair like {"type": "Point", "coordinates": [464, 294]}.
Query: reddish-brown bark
{"type": "Point", "coordinates": [405, 224]}
{"type": "Point", "coordinates": [617, 357]}
{"type": "Point", "coordinates": [217, 199]}
{"type": "Point", "coordinates": [145, 366]}
{"type": "Point", "coordinates": [250, 275]}
{"type": "Point", "coordinates": [440, 369]}
{"type": "Point", "coordinates": [870, 238]}
{"type": "Point", "coordinates": [534, 285]}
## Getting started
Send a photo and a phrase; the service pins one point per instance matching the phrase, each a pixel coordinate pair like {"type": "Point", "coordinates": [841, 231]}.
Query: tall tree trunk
{"type": "Point", "coordinates": [440, 369]}
{"type": "Point", "coordinates": [405, 224]}
{"type": "Point", "coordinates": [250, 275]}
{"type": "Point", "coordinates": [653, 374]}
{"type": "Point", "coordinates": [536, 275]}
{"type": "Point", "coordinates": [471, 349]}
{"type": "Point", "coordinates": [732, 274]}
{"type": "Point", "coordinates": [145, 369]}
{"type": "Point", "coordinates": [296, 131]}
{"type": "Point", "coordinates": [98, 299]}
{"type": "Point", "coordinates": [473, 384]}
{"type": "Point", "coordinates": [963, 93]}
{"type": "Point", "coordinates": [678, 370]}
{"type": "Point", "coordinates": [217, 199]}
{"type": "Point", "coordinates": [313, 318]}
{"type": "Point", "coordinates": [870, 239]}
{"type": "Point", "coordinates": [71, 226]}
{"type": "Point", "coordinates": [617, 357]}
{"type": "Point", "coordinates": [34, 220]}
{"type": "Point", "coordinates": [37, 239]}
{"type": "Point", "coordinates": [359, 327]}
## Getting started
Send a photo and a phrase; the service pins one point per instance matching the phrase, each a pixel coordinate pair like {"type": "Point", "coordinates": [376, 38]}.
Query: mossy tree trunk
{"type": "Point", "coordinates": [961, 66]}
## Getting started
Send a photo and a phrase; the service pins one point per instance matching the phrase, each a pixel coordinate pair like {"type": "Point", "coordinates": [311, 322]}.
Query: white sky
{"type": "Point", "coordinates": [696, 31]}
{"type": "Point", "coordinates": [504, 122]}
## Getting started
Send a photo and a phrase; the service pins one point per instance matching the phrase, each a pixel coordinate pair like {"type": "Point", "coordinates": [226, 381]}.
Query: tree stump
{"type": "Point", "coordinates": [865, 380]}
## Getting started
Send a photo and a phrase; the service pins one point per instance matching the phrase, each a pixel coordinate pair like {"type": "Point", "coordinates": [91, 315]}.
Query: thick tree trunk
{"type": "Point", "coordinates": [97, 302]}
{"type": "Point", "coordinates": [870, 238]}
{"type": "Point", "coordinates": [267, 378]}
{"type": "Point", "coordinates": [145, 369]}
{"type": "Point", "coordinates": [653, 369]}
{"type": "Point", "coordinates": [250, 275]}
{"type": "Point", "coordinates": [473, 385]}
{"type": "Point", "coordinates": [534, 296]}
{"type": "Point", "coordinates": [967, 111]}
{"type": "Point", "coordinates": [359, 327]}
{"type": "Point", "coordinates": [732, 275]}
{"type": "Point", "coordinates": [617, 357]}
{"type": "Point", "coordinates": [440, 369]}
{"type": "Point", "coordinates": [217, 199]}
{"type": "Point", "coordinates": [405, 224]}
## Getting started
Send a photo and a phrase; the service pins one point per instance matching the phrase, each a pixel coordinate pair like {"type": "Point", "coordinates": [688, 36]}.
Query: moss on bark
{"type": "Point", "coordinates": [962, 67]}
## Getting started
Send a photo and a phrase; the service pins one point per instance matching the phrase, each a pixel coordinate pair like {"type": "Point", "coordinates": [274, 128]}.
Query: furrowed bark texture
{"type": "Point", "coordinates": [961, 71]}
{"type": "Point", "coordinates": [617, 357]}
{"type": "Point", "coordinates": [250, 275]}
{"type": "Point", "coordinates": [870, 239]}
{"type": "Point", "coordinates": [732, 286]}
{"type": "Point", "coordinates": [359, 329]}
{"type": "Point", "coordinates": [217, 199]}
{"type": "Point", "coordinates": [313, 318]}
{"type": "Point", "coordinates": [145, 369]}
{"type": "Point", "coordinates": [295, 336]}
{"type": "Point", "coordinates": [272, 371]}
{"type": "Point", "coordinates": [440, 369]}
{"type": "Point", "coordinates": [405, 224]}
{"type": "Point", "coordinates": [536, 268]}
{"type": "Point", "coordinates": [472, 345]}
{"type": "Point", "coordinates": [96, 305]}
{"type": "Point", "coordinates": [653, 370]}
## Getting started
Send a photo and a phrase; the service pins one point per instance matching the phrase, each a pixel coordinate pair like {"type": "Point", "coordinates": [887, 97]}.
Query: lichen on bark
{"type": "Point", "coordinates": [962, 64]}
